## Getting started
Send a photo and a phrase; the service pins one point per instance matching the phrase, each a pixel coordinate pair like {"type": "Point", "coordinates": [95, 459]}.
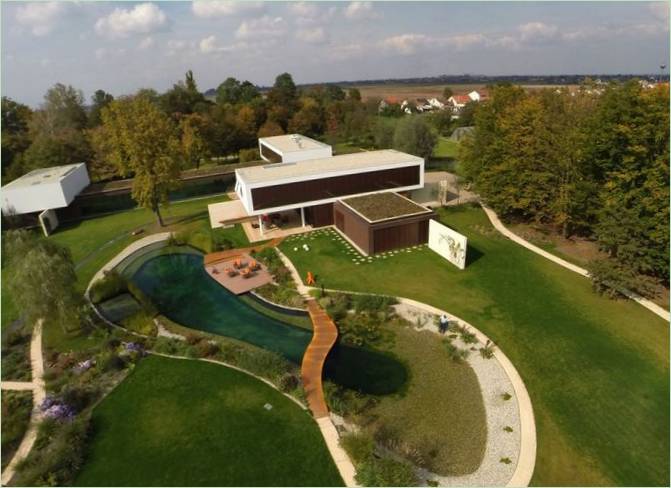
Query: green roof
{"type": "Point", "coordinates": [382, 206]}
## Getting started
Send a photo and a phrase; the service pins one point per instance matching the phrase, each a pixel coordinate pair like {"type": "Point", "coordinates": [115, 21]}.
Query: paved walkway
{"type": "Point", "coordinates": [37, 386]}
{"type": "Point", "coordinates": [498, 225]}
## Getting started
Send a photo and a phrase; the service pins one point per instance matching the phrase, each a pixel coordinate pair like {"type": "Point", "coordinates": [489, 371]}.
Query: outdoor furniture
{"type": "Point", "coordinates": [231, 272]}
{"type": "Point", "coordinates": [214, 271]}
{"type": "Point", "coordinates": [246, 273]}
{"type": "Point", "coordinates": [254, 265]}
{"type": "Point", "coordinates": [239, 263]}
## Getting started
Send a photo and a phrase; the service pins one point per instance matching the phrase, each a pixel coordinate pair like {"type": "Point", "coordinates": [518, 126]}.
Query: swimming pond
{"type": "Point", "coordinates": [181, 289]}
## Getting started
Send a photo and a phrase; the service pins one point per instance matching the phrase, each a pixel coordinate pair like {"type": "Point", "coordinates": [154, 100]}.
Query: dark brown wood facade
{"type": "Point", "coordinates": [382, 236]}
{"type": "Point", "coordinates": [319, 215]}
{"type": "Point", "coordinates": [333, 187]}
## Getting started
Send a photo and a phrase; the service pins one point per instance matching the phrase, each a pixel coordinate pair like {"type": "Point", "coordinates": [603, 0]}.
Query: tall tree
{"type": "Point", "coordinates": [15, 134]}
{"type": "Point", "coordinates": [183, 98]}
{"type": "Point", "coordinates": [284, 92]}
{"type": "Point", "coordinates": [63, 109]}
{"type": "Point", "coordinates": [99, 100]}
{"type": "Point", "coordinates": [195, 129]}
{"type": "Point", "coordinates": [413, 135]}
{"type": "Point", "coordinates": [42, 277]}
{"type": "Point", "coordinates": [144, 144]}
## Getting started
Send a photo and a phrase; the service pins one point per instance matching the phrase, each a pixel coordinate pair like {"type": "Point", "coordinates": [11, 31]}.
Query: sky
{"type": "Point", "coordinates": [123, 46]}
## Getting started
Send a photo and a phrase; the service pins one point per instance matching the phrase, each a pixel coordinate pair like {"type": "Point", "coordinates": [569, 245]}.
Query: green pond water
{"type": "Point", "coordinates": [182, 290]}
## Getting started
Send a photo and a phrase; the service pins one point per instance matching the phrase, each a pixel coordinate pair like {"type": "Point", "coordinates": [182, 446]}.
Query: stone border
{"type": "Point", "coordinates": [278, 305]}
{"type": "Point", "coordinates": [498, 225]}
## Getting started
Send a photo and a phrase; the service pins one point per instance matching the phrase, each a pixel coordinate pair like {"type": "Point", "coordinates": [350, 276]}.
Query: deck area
{"type": "Point", "coordinates": [324, 336]}
{"type": "Point", "coordinates": [238, 284]}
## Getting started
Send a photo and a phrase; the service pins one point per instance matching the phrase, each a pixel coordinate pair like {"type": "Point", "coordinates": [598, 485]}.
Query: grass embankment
{"type": "Point", "coordinates": [188, 423]}
{"type": "Point", "coordinates": [16, 407]}
{"type": "Point", "coordinates": [597, 370]}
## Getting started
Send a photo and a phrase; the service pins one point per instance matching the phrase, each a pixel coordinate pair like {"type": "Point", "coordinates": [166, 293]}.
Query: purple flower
{"type": "Point", "coordinates": [55, 409]}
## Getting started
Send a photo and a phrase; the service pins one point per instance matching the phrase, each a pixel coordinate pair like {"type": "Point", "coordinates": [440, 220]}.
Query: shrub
{"type": "Point", "coordinates": [78, 397]}
{"type": "Point", "coordinates": [360, 329]}
{"type": "Point", "coordinates": [287, 382]}
{"type": "Point", "coordinates": [506, 396]}
{"type": "Point", "coordinates": [359, 446]}
{"type": "Point", "coordinates": [109, 286]}
{"type": "Point", "coordinates": [609, 276]}
{"type": "Point", "coordinates": [192, 338]}
{"type": "Point", "coordinates": [247, 155]}
{"type": "Point", "coordinates": [467, 336]}
{"type": "Point", "coordinates": [141, 322]}
{"type": "Point", "coordinates": [508, 428]}
{"type": "Point", "coordinates": [386, 472]}
{"type": "Point", "coordinates": [110, 361]}
{"type": "Point", "coordinates": [206, 349]}
{"type": "Point", "coordinates": [487, 351]}
{"type": "Point", "coordinates": [456, 354]}
{"type": "Point", "coordinates": [57, 455]}
{"type": "Point", "coordinates": [373, 303]}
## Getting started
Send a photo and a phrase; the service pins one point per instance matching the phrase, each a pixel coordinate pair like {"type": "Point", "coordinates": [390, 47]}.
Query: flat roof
{"type": "Point", "coordinates": [43, 175]}
{"type": "Point", "coordinates": [326, 166]}
{"type": "Point", "coordinates": [384, 206]}
{"type": "Point", "coordinates": [292, 143]}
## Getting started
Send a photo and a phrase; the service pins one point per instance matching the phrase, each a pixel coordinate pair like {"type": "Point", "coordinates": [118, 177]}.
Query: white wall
{"type": "Point", "coordinates": [321, 152]}
{"type": "Point", "coordinates": [74, 183]}
{"type": "Point", "coordinates": [448, 243]}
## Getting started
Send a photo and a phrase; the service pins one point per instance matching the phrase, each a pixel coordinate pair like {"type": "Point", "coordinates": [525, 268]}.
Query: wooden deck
{"type": "Point", "coordinates": [324, 336]}
{"type": "Point", "coordinates": [215, 257]}
{"type": "Point", "coordinates": [238, 284]}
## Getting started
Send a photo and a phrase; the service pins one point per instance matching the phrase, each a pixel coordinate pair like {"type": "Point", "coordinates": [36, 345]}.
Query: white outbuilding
{"type": "Point", "coordinates": [291, 148]}
{"type": "Point", "coordinates": [44, 190]}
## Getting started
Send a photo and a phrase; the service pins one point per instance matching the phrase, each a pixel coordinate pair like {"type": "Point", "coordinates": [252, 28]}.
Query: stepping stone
{"type": "Point", "coordinates": [268, 406]}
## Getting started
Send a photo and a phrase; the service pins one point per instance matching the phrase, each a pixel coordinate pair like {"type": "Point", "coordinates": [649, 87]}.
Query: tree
{"type": "Point", "coordinates": [269, 129]}
{"type": "Point", "coordinates": [145, 144]}
{"type": "Point", "coordinates": [184, 98]}
{"type": "Point", "coordinates": [245, 124]}
{"type": "Point", "coordinates": [194, 141]}
{"type": "Point", "coordinates": [354, 94]}
{"type": "Point", "coordinates": [99, 100]}
{"type": "Point", "coordinates": [65, 147]}
{"type": "Point", "coordinates": [63, 109]}
{"type": "Point", "coordinates": [447, 93]}
{"type": "Point", "coordinates": [309, 119]}
{"type": "Point", "coordinates": [413, 135]}
{"type": "Point", "coordinates": [231, 91]}
{"type": "Point", "coordinates": [42, 277]}
{"type": "Point", "coordinates": [15, 134]}
{"type": "Point", "coordinates": [284, 92]}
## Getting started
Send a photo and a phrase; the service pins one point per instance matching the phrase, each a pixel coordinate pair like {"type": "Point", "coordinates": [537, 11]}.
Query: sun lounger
{"type": "Point", "coordinates": [231, 272]}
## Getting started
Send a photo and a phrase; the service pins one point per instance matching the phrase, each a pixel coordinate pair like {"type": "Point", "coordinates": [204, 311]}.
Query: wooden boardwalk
{"type": "Point", "coordinates": [324, 336]}
{"type": "Point", "coordinates": [215, 257]}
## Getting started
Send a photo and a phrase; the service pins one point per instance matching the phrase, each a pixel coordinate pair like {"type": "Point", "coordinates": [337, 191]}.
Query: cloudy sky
{"type": "Point", "coordinates": [122, 46]}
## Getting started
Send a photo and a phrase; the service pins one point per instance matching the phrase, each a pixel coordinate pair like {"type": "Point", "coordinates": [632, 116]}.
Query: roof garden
{"type": "Point", "coordinates": [383, 206]}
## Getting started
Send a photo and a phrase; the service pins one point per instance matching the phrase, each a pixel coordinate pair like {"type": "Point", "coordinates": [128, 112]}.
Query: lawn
{"type": "Point", "coordinates": [444, 156]}
{"type": "Point", "coordinates": [189, 423]}
{"type": "Point", "coordinates": [597, 370]}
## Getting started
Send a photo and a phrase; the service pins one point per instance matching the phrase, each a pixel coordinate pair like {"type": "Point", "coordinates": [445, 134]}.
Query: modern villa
{"type": "Point", "coordinates": [359, 193]}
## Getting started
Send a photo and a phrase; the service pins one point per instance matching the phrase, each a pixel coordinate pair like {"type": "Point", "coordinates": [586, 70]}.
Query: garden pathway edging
{"type": "Point", "coordinates": [39, 393]}
{"type": "Point", "coordinates": [498, 225]}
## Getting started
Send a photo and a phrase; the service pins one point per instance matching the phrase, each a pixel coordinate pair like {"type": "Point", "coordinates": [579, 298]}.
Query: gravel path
{"type": "Point", "coordinates": [500, 413]}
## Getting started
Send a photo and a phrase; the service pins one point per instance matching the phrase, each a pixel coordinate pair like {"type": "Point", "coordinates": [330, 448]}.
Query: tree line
{"type": "Point", "coordinates": [594, 165]}
{"type": "Point", "coordinates": [152, 137]}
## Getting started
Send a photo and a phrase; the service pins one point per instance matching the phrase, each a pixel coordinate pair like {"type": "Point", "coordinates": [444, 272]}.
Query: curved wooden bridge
{"type": "Point", "coordinates": [324, 336]}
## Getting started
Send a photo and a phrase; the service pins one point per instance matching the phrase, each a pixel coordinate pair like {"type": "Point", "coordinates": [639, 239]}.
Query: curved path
{"type": "Point", "coordinates": [37, 386]}
{"type": "Point", "coordinates": [498, 225]}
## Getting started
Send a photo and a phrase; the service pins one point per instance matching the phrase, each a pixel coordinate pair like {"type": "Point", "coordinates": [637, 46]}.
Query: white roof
{"type": "Point", "coordinates": [344, 163]}
{"type": "Point", "coordinates": [292, 143]}
{"type": "Point", "coordinates": [43, 175]}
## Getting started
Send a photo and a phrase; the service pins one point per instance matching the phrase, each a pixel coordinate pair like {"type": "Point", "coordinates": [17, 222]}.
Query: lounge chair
{"type": "Point", "coordinates": [246, 273]}
{"type": "Point", "coordinates": [231, 272]}
{"type": "Point", "coordinates": [253, 265]}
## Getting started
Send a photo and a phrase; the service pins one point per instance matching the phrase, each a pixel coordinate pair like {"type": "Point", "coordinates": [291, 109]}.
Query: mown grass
{"type": "Point", "coordinates": [597, 370]}
{"type": "Point", "coordinates": [188, 423]}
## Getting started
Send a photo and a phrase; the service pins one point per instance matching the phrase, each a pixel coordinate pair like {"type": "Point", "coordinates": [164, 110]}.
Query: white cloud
{"type": "Point", "coordinates": [406, 43]}
{"type": "Point", "coordinates": [361, 11]}
{"type": "Point", "coordinates": [40, 18]}
{"type": "Point", "coordinates": [262, 28]}
{"type": "Point", "coordinates": [207, 8]}
{"type": "Point", "coordinates": [312, 36]}
{"type": "Point", "coordinates": [303, 9]}
{"type": "Point", "coordinates": [146, 43]}
{"type": "Point", "coordinates": [208, 45]}
{"type": "Point", "coordinates": [537, 31]}
{"type": "Point", "coordinates": [141, 19]}
{"type": "Point", "coordinates": [411, 43]}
